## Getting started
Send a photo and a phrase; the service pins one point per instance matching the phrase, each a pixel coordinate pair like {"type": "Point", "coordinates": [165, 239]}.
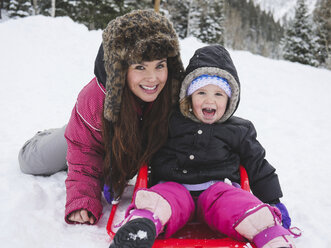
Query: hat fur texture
{"type": "Point", "coordinates": [213, 60]}
{"type": "Point", "coordinates": [141, 35]}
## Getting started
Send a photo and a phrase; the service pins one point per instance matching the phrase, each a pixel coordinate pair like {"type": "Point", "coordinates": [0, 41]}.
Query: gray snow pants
{"type": "Point", "coordinates": [45, 153]}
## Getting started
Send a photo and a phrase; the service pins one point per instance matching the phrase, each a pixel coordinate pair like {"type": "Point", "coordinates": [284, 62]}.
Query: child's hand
{"type": "Point", "coordinates": [82, 216]}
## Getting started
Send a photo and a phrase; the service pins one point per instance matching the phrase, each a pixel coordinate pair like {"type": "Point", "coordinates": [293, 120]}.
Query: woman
{"type": "Point", "coordinates": [120, 118]}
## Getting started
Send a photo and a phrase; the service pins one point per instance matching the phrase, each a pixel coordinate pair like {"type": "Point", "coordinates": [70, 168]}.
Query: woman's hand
{"type": "Point", "coordinates": [82, 216]}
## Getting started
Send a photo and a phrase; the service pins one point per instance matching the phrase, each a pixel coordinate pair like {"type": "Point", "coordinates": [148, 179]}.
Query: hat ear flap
{"type": "Point", "coordinates": [114, 89]}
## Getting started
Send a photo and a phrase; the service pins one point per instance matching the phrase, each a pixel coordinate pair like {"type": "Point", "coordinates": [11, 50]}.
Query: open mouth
{"type": "Point", "coordinates": [149, 89]}
{"type": "Point", "coordinates": [208, 112]}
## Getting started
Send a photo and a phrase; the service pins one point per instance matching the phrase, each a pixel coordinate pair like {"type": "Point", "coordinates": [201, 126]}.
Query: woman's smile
{"type": "Point", "coordinates": [149, 89]}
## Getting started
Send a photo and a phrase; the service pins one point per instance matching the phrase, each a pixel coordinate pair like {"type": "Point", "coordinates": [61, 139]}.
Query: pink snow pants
{"type": "Point", "coordinates": [220, 206]}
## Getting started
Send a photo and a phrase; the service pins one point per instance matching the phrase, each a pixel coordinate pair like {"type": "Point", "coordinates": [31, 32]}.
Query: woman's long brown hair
{"type": "Point", "coordinates": [130, 142]}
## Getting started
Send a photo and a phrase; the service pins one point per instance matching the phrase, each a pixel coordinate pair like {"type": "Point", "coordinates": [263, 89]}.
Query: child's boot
{"type": "Point", "coordinates": [144, 220]}
{"type": "Point", "coordinates": [140, 230]}
{"type": "Point", "coordinates": [262, 227]}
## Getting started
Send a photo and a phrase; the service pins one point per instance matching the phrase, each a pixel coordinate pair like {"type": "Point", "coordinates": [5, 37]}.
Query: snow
{"type": "Point", "coordinates": [45, 62]}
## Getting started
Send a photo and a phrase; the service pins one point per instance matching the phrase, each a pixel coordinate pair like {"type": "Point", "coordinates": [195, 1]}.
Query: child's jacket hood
{"type": "Point", "coordinates": [211, 60]}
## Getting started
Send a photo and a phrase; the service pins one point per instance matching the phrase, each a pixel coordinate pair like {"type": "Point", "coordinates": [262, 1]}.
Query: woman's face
{"type": "Point", "coordinates": [147, 79]}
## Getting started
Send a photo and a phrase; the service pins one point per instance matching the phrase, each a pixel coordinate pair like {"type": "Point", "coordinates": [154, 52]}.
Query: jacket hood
{"type": "Point", "coordinates": [99, 67]}
{"type": "Point", "coordinates": [211, 60]}
{"type": "Point", "coordinates": [141, 35]}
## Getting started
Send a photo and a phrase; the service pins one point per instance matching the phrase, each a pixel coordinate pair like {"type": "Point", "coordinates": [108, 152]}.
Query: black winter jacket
{"type": "Point", "coordinates": [197, 153]}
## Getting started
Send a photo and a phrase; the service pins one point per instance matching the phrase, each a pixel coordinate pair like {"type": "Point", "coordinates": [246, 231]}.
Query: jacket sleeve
{"type": "Point", "coordinates": [85, 155]}
{"type": "Point", "coordinates": [264, 181]}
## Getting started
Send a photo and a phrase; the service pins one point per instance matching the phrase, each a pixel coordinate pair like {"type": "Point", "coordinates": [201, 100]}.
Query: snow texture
{"type": "Point", "coordinates": [44, 62]}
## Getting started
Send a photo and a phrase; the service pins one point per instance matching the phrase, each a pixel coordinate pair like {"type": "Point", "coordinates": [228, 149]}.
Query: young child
{"type": "Point", "coordinates": [201, 158]}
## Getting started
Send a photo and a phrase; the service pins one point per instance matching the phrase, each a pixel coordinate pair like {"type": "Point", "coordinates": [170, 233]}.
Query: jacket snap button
{"type": "Point", "coordinates": [200, 132]}
{"type": "Point", "coordinates": [184, 171]}
{"type": "Point", "coordinates": [191, 157]}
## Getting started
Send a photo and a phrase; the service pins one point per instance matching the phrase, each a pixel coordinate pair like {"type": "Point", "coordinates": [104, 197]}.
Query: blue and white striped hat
{"type": "Point", "coordinates": [205, 79]}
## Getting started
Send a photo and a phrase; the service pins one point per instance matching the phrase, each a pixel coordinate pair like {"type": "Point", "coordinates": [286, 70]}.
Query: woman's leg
{"type": "Point", "coordinates": [241, 215]}
{"type": "Point", "coordinates": [45, 153]}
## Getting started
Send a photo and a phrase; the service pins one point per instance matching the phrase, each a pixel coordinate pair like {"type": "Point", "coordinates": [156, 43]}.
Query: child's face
{"type": "Point", "coordinates": [209, 103]}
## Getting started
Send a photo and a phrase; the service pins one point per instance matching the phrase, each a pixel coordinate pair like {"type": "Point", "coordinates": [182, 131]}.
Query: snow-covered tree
{"type": "Point", "coordinates": [95, 16]}
{"type": "Point", "coordinates": [177, 12]}
{"type": "Point", "coordinates": [322, 19]}
{"type": "Point", "coordinates": [211, 22]}
{"type": "Point", "coordinates": [299, 44]}
{"type": "Point", "coordinates": [194, 17]}
{"type": "Point", "coordinates": [20, 8]}
{"type": "Point", "coordinates": [3, 4]}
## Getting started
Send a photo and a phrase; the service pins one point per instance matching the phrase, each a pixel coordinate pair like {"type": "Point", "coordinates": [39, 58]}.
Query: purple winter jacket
{"type": "Point", "coordinates": [85, 152]}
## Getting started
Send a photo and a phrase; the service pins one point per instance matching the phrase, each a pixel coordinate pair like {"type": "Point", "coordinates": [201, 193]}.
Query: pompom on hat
{"type": "Point", "coordinates": [141, 35]}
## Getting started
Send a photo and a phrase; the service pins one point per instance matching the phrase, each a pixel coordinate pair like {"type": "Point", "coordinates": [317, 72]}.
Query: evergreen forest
{"type": "Point", "coordinates": [237, 24]}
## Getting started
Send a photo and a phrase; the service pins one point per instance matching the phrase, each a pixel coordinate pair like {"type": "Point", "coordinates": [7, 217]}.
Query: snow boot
{"type": "Point", "coordinates": [261, 226]}
{"type": "Point", "coordinates": [136, 233]}
{"type": "Point", "coordinates": [138, 229]}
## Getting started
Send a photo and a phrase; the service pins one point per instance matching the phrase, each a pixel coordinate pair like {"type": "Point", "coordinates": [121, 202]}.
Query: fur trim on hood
{"type": "Point", "coordinates": [211, 60]}
{"type": "Point", "coordinates": [141, 35]}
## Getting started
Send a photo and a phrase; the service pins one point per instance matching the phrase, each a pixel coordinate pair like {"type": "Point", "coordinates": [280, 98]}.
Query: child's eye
{"type": "Point", "coordinates": [219, 94]}
{"type": "Point", "coordinates": [201, 93]}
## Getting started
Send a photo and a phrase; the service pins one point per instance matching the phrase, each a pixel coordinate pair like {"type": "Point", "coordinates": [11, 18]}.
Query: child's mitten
{"type": "Point", "coordinates": [286, 220]}
{"type": "Point", "coordinates": [107, 192]}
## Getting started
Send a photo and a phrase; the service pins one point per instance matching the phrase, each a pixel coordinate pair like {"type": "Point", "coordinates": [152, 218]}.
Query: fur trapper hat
{"type": "Point", "coordinates": [141, 35]}
{"type": "Point", "coordinates": [213, 60]}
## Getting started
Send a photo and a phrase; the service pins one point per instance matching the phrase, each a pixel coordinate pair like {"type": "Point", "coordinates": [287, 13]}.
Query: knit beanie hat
{"type": "Point", "coordinates": [141, 35]}
{"type": "Point", "coordinates": [204, 79]}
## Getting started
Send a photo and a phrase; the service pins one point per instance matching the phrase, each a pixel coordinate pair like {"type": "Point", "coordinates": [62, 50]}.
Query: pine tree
{"type": "Point", "coordinates": [94, 14]}
{"type": "Point", "coordinates": [322, 19]}
{"type": "Point", "coordinates": [211, 22]}
{"type": "Point", "coordinates": [20, 8]}
{"type": "Point", "coordinates": [3, 6]}
{"type": "Point", "coordinates": [299, 42]}
{"type": "Point", "coordinates": [194, 17]}
{"type": "Point", "coordinates": [43, 7]}
{"type": "Point", "coordinates": [177, 12]}
{"type": "Point", "coordinates": [140, 4]}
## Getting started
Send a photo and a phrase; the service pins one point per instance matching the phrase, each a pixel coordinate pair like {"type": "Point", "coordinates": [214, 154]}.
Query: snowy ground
{"type": "Point", "coordinates": [44, 62]}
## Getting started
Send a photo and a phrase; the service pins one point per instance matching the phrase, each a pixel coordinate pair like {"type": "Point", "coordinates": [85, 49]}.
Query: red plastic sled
{"type": "Point", "coordinates": [194, 234]}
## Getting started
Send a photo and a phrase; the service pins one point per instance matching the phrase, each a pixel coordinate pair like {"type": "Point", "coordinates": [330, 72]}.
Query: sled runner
{"type": "Point", "coordinates": [193, 235]}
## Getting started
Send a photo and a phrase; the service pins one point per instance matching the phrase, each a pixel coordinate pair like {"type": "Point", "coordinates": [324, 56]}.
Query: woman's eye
{"type": "Point", "coordinates": [201, 93]}
{"type": "Point", "coordinates": [219, 94]}
{"type": "Point", "coordinates": [139, 67]}
{"type": "Point", "coordinates": [160, 66]}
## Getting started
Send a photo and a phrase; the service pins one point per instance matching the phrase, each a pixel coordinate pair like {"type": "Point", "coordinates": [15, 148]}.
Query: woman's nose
{"type": "Point", "coordinates": [151, 75]}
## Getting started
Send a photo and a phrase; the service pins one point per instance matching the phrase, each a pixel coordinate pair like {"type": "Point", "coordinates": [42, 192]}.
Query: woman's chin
{"type": "Point", "coordinates": [148, 97]}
